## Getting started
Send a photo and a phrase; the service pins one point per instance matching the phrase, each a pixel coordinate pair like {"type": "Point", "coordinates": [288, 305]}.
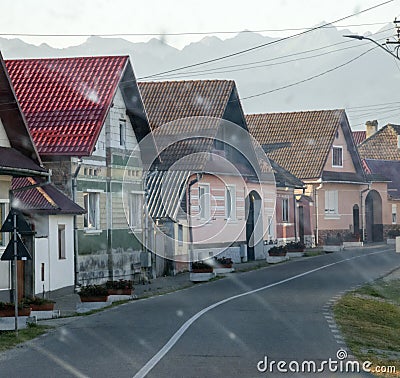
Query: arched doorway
{"type": "Point", "coordinates": [373, 216]}
{"type": "Point", "coordinates": [254, 226]}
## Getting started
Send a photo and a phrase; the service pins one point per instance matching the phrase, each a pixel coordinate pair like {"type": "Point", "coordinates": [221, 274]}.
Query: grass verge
{"type": "Point", "coordinates": [369, 319]}
{"type": "Point", "coordinates": [9, 340]}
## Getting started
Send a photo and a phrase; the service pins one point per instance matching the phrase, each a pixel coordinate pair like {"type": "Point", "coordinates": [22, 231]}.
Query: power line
{"type": "Point", "coordinates": [309, 78]}
{"type": "Point", "coordinates": [264, 44]}
{"type": "Point", "coordinates": [178, 33]}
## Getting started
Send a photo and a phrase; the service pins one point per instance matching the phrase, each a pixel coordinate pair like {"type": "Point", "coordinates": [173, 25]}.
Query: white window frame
{"type": "Point", "coordinates": [398, 141]}
{"type": "Point", "coordinates": [331, 204]}
{"type": "Point", "coordinates": [230, 211]}
{"type": "Point", "coordinates": [285, 210]}
{"type": "Point", "coordinates": [180, 234]}
{"type": "Point", "coordinates": [204, 201]}
{"type": "Point", "coordinates": [394, 213]}
{"type": "Point", "coordinates": [122, 132]}
{"type": "Point", "coordinates": [136, 210]}
{"type": "Point", "coordinates": [333, 156]}
{"type": "Point", "coordinates": [86, 205]}
{"type": "Point", "coordinates": [61, 241]}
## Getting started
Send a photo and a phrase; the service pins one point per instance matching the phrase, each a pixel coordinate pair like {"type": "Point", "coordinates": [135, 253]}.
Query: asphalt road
{"type": "Point", "coordinates": [219, 329]}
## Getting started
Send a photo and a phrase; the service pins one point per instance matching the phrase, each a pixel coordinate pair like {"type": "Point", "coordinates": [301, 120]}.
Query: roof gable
{"type": "Point", "coordinates": [13, 119]}
{"type": "Point", "coordinates": [382, 145]}
{"type": "Point", "coordinates": [298, 141]}
{"type": "Point", "coordinates": [66, 100]}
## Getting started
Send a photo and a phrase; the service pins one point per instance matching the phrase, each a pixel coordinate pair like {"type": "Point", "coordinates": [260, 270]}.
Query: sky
{"type": "Point", "coordinates": [99, 17]}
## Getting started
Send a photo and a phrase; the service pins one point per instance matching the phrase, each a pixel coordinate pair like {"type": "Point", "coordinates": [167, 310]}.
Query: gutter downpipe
{"type": "Point", "coordinates": [74, 189]}
{"type": "Point", "coordinates": [362, 212]}
{"type": "Point", "coordinates": [189, 212]}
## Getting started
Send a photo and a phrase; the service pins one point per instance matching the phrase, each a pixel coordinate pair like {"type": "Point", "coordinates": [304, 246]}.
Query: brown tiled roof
{"type": "Point", "coordinates": [298, 141]}
{"type": "Point", "coordinates": [172, 100]}
{"type": "Point", "coordinates": [359, 136]}
{"type": "Point", "coordinates": [382, 145]}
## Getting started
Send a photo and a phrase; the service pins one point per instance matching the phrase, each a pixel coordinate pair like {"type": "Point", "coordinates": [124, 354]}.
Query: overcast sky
{"type": "Point", "coordinates": [94, 17]}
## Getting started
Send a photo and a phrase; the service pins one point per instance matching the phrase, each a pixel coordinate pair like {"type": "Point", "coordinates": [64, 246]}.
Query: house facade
{"type": "Point", "coordinates": [86, 118]}
{"type": "Point", "coordinates": [318, 148]}
{"type": "Point", "coordinates": [380, 151]}
{"type": "Point", "coordinates": [18, 158]}
{"type": "Point", "coordinates": [224, 193]}
{"type": "Point", "coordinates": [51, 216]}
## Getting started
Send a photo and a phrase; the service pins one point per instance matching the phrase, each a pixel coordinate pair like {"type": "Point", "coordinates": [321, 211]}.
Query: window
{"type": "Point", "coordinates": [337, 157]}
{"type": "Point", "coordinates": [230, 202]}
{"type": "Point", "coordinates": [331, 202]}
{"type": "Point", "coordinates": [180, 234]}
{"type": "Point", "coordinates": [91, 219]}
{"type": "Point", "coordinates": [394, 214]}
{"type": "Point", "coordinates": [3, 216]}
{"type": "Point", "coordinates": [61, 241]}
{"type": "Point", "coordinates": [204, 201]}
{"type": "Point", "coordinates": [135, 210]}
{"type": "Point", "coordinates": [285, 210]}
{"type": "Point", "coordinates": [398, 141]}
{"type": "Point", "coordinates": [122, 132]}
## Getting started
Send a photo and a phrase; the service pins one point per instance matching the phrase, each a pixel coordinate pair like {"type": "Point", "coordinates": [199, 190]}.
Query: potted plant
{"type": "Point", "coordinates": [201, 272]}
{"type": "Point", "coordinates": [223, 265]}
{"type": "Point", "coordinates": [39, 304]}
{"type": "Point", "coordinates": [120, 287]}
{"type": "Point", "coordinates": [277, 254]}
{"type": "Point", "coordinates": [7, 309]}
{"type": "Point", "coordinates": [352, 240]}
{"type": "Point", "coordinates": [295, 248]}
{"type": "Point", "coordinates": [392, 235]}
{"type": "Point", "coordinates": [333, 243]}
{"type": "Point", "coordinates": [93, 293]}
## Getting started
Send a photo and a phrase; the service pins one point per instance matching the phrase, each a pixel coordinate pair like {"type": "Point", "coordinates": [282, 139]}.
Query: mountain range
{"type": "Point", "coordinates": [334, 72]}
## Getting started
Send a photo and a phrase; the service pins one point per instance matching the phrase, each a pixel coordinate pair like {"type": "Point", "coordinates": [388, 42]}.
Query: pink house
{"type": "Point", "coordinates": [213, 192]}
{"type": "Point", "coordinates": [317, 147]}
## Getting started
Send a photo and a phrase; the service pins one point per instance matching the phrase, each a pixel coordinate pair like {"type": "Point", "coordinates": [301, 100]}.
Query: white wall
{"type": "Point", "coordinates": [59, 273]}
{"type": "Point", "coordinates": [4, 142]}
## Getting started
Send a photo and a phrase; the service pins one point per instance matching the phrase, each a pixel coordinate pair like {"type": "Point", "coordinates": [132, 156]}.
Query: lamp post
{"type": "Point", "coordinates": [360, 38]}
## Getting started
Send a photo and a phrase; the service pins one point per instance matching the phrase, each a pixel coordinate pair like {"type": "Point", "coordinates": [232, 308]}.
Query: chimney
{"type": "Point", "coordinates": [371, 128]}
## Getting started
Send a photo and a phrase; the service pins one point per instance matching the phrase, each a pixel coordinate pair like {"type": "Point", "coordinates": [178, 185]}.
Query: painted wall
{"type": "Point", "coordinates": [285, 230]}
{"type": "Point", "coordinates": [5, 266]}
{"type": "Point", "coordinates": [58, 273]}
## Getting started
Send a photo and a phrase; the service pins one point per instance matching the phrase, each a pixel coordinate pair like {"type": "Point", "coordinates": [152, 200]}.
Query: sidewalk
{"type": "Point", "coordinates": [68, 304]}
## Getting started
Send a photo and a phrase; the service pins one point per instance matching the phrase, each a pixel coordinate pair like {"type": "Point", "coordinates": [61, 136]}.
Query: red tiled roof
{"type": "Point", "coordinates": [297, 141]}
{"type": "Point", "coordinates": [66, 100]}
{"type": "Point", "coordinates": [45, 199]}
{"type": "Point", "coordinates": [359, 136]}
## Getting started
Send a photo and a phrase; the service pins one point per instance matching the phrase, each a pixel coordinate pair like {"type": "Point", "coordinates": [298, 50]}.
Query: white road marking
{"type": "Point", "coordinates": [178, 334]}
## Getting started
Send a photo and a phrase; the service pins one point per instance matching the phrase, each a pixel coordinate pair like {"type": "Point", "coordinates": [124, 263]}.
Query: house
{"type": "Point", "coordinates": [86, 118]}
{"type": "Point", "coordinates": [18, 158]}
{"type": "Point", "coordinates": [318, 148]}
{"type": "Point", "coordinates": [51, 215]}
{"type": "Point", "coordinates": [212, 192]}
{"type": "Point", "coordinates": [381, 159]}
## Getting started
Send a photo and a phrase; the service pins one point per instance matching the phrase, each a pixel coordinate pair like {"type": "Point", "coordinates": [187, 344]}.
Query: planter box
{"type": "Point", "coordinates": [332, 248]}
{"type": "Point", "coordinates": [276, 259]}
{"type": "Point", "coordinates": [42, 307]}
{"type": "Point", "coordinates": [94, 299]}
{"type": "Point", "coordinates": [223, 270]}
{"type": "Point", "coordinates": [201, 277]}
{"type": "Point", "coordinates": [119, 291]}
{"type": "Point", "coordinates": [8, 312]}
{"type": "Point", "coordinates": [352, 244]}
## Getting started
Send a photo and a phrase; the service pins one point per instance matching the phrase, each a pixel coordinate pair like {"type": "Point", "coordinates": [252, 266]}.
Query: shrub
{"type": "Point", "coordinates": [93, 291]}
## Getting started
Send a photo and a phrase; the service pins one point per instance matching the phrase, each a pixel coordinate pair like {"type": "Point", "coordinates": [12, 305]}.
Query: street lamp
{"type": "Point", "coordinates": [360, 37]}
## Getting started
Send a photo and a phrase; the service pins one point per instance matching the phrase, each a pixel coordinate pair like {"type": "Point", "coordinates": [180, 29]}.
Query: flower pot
{"type": "Point", "coordinates": [42, 307]}
{"type": "Point", "coordinates": [100, 298]}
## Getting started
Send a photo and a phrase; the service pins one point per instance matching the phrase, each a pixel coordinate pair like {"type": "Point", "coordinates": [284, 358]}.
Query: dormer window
{"type": "Point", "coordinates": [337, 156]}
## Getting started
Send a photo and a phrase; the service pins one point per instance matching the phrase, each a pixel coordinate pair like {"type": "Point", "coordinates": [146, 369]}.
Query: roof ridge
{"type": "Point", "coordinates": [298, 112]}
{"type": "Point", "coordinates": [188, 81]}
{"type": "Point", "coordinates": [68, 58]}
